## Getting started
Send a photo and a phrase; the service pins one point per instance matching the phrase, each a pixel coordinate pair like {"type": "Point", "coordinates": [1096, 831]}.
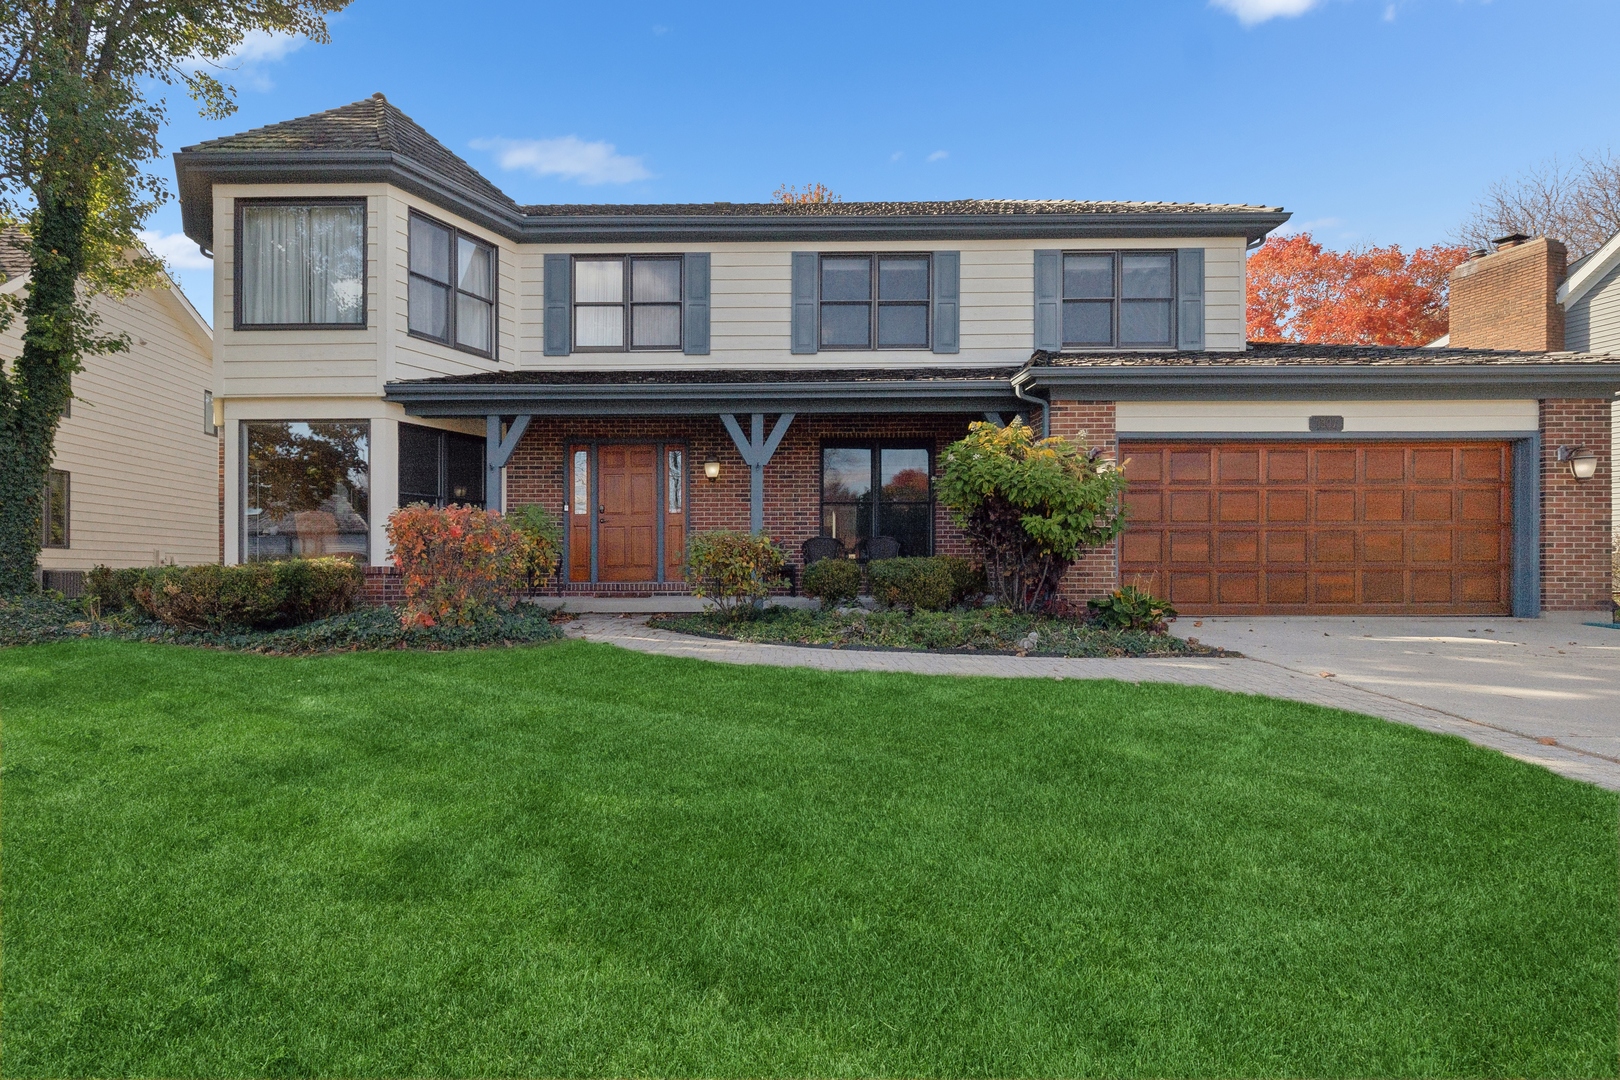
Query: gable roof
{"type": "Point", "coordinates": [372, 141]}
{"type": "Point", "coordinates": [14, 258]}
{"type": "Point", "coordinates": [1589, 271]}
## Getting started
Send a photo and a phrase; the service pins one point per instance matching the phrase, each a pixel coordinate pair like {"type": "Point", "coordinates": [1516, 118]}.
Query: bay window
{"type": "Point", "coordinates": [300, 265]}
{"type": "Point", "coordinates": [452, 287]}
{"type": "Point", "coordinates": [306, 489]}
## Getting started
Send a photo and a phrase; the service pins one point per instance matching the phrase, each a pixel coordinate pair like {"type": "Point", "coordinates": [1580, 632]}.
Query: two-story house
{"type": "Point", "coordinates": [391, 327]}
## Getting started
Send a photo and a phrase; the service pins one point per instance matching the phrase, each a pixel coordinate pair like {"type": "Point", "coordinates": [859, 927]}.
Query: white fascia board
{"type": "Point", "coordinates": [1591, 272]}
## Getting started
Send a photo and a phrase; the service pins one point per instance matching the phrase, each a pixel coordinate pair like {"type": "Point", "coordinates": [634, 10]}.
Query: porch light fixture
{"type": "Point", "coordinates": [1582, 462]}
{"type": "Point", "coordinates": [711, 469]}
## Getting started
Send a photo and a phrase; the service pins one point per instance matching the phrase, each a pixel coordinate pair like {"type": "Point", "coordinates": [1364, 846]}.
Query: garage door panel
{"type": "Point", "coordinates": [1332, 528]}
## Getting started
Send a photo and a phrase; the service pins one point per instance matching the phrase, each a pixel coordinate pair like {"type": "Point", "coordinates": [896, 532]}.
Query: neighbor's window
{"type": "Point", "coordinates": [301, 265]}
{"type": "Point", "coordinates": [452, 289]}
{"type": "Point", "coordinates": [440, 467]}
{"type": "Point", "coordinates": [869, 491]}
{"type": "Point", "coordinates": [53, 516]}
{"type": "Point", "coordinates": [307, 489]}
{"type": "Point", "coordinates": [627, 302]}
{"type": "Point", "coordinates": [874, 298]}
{"type": "Point", "coordinates": [1118, 298]}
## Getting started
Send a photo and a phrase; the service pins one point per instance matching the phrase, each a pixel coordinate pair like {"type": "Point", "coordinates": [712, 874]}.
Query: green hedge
{"type": "Point", "coordinates": [912, 584]}
{"type": "Point", "coordinates": [832, 581]}
{"type": "Point", "coordinates": [254, 596]}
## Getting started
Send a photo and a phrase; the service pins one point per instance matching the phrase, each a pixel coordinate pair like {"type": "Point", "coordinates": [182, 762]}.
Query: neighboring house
{"type": "Point", "coordinates": [1523, 296]}
{"type": "Point", "coordinates": [135, 476]}
{"type": "Point", "coordinates": [393, 328]}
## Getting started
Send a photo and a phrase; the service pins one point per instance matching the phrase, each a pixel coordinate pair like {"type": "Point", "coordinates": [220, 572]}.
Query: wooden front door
{"type": "Point", "coordinates": [627, 513]}
{"type": "Point", "coordinates": [1321, 528]}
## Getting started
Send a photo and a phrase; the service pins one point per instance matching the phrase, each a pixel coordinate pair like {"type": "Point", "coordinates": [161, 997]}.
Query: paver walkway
{"type": "Point", "coordinates": [1240, 675]}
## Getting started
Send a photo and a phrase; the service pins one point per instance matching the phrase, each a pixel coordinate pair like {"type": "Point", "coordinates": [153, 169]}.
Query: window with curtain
{"type": "Point", "coordinates": [307, 489]}
{"type": "Point", "coordinates": [54, 510]}
{"type": "Point", "coordinates": [301, 265]}
{"type": "Point", "coordinates": [452, 287]}
{"type": "Point", "coordinates": [881, 299]}
{"type": "Point", "coordinates": [440, 468]}
{"type": "Point", "coordinates": [627, 302]}
{"type": "Point", "coordinates": [878, 490]}
{"type": "Point", "coordinates": [1122, 299]}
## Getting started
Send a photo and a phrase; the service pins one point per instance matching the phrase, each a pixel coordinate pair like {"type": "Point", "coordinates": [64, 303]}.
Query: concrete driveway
{"type": "Point", "coordinates": [1552, 678]}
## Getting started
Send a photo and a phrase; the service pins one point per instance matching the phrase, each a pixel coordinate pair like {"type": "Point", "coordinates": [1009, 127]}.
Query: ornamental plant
{"type": "Point", "coordinates": [458, 565]}
{"type": "Point", "coordinates": [1131, 608]}
{"type": "Point", "coordinates": [1030, 506]}
{"type": "Point", "coordinates": [252, 596]}
{"type": "Point", "coordinates": [911, 584]}
{"type": "Point", "coordinates": [832, 581]}
{"type": "Point", "coordinates": [542, 542]}
{"type": "Point", "coordinates": [733, 570]}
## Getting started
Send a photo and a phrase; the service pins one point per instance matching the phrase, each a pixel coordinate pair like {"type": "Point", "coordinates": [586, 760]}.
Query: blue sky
{"type": "Point", "coordinates": [1373, 121]}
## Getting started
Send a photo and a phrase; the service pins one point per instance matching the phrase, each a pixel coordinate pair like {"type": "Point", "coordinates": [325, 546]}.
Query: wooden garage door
{"type": "Point", "coordinates": [1321, 528]}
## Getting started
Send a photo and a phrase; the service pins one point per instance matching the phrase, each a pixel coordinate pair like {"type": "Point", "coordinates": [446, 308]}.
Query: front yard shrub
{"type": "Point", "coordinates": [542, 542]}
{"type": "Point", "coordinates": [253, 596]}
{"type": "Point", "coordinates": [832, 581]}
{"type": "Point", "coordinates": [967, 579]}
{"type": "Point", "coordinates": [458, 565]}
{"type": "Point", "coordinates": [733, 570]}
{"type": "Point", "coordinates": [911, 584]}
{"type": "Point", "coordinates": [114, 590]}
{"type": "Point", "coordinates": [1030, 505]}
{"type": "Point", "coordinates": [1131, 609]}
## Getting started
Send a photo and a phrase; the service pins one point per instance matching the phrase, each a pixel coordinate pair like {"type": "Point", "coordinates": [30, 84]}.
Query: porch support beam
{"type": "Point", "coordinates": [756, 451]}
{"type": "Point", "coordinates": [497, 452]}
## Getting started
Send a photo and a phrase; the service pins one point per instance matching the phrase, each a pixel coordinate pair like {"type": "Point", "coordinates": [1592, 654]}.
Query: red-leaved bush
{"type": "Point", "coordinates": [457, 565]}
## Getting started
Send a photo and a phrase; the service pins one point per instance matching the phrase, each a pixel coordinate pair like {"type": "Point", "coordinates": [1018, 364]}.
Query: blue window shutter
{"type": "Point", "coordinates": [695, 304]}
{"type": "Point", "coordinates": [1190, 290]}
{"type": "Point", "coordinates": [1049, 300]}
{"type": "Point", "coordinates": [947, 301]}
{"type": "Point", "coordinates": [559, 291]}
{"type": "Point", "coordinates": [806, 291]}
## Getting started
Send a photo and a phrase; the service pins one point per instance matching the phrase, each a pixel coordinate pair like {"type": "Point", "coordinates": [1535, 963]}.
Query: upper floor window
{"type": "Point", "coordinates": [452, 288]}
{"type": "Point", "coordinates": [627, 302]}
{"type": "Point", "coordinates": [867, 299]}
{"type": "Point", "coordinates": [1119, 298]}
{"type": "Point", "coordinates": [301, 265]}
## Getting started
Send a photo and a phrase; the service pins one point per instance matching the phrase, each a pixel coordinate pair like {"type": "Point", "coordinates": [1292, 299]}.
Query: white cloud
{"type": "Point", "coordinates": [1254, 12]}
{"type": "Point", "coordinates": [939, 155]}
{"type": "Point", "coordinates": [1389, 13]}
{"type": "Point", "coordinates": [569, 157]}
{"type": "Point", "coordinates": [264, 47]}
{"type": "Point", "coordinates": [897, 155]}
{"type": "Point", "coordinates": [176, 249]}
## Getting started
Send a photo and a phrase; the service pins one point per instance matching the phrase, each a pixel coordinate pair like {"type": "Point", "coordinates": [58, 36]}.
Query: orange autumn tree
{"type": "Point", "coordinates": [1301, 291]}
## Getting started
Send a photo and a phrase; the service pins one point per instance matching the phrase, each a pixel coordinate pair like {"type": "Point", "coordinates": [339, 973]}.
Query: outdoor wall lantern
{"type": "Point", "coordinates": [1582, 462]}
{"type": "Point", "coordinates": [711, 469]}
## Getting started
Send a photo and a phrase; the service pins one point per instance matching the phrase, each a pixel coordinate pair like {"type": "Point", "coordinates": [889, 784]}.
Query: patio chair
{"type": "Point", "coordinates": [874, 548]}
{"type": "Point", "coordinates": [817, 548]}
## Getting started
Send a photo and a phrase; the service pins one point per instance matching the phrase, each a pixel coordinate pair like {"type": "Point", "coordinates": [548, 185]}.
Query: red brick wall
{"type": "Point", "coordinates": [1508, 300]}
{"type": "Point", "coordinates": [537, 472]}
{"type": "Point", "coordinates": [1092, 423]}
{"type": "Point", "coordinates": [383, 587]}
{"type": "Point", "coordinates": [1576, 564]}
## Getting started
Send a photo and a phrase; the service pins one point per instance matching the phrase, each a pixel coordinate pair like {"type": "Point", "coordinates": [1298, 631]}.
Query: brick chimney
{"type": "Point", "coordinates": [1508, 299]}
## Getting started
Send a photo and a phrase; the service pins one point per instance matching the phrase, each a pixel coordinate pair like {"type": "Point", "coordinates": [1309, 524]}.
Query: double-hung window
{"type": "Point", "coordinates": [301, 265]}
{"type": "Point", "coordinates": [1123, 299]}
{"type": "Point", "coordinates": [627, 302]}
{"type": "Point", "coordinates": [53, 517]}
{"type": "Point", "coordinates": [879, 300]}
{"type": "Point", "coordinates": [452, 289]}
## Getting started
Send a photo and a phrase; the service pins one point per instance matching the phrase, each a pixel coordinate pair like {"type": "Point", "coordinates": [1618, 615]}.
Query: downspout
{"type": "Point", "coordinates": [1046, 406]}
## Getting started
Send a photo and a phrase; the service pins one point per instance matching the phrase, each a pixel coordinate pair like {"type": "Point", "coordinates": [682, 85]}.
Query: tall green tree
{"type": "Point", "coordinates": [79, 126]}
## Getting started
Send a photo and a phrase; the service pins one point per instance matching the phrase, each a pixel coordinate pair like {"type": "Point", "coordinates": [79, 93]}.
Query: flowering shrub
{"type": "Point", "coordinates": [734, 570]}
{"type": "Point", "coordinates": [458, 566]}
{"type": "Point", "coordinates": [542, 542]}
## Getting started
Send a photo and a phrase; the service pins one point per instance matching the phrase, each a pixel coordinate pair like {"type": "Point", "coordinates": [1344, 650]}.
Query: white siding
{"type": "Point", "coordinates": [144, 475]}
{"type": "Point", "coordinates": [1292, 417]}
{"type": "Point", "coordinates": [1592, 323]}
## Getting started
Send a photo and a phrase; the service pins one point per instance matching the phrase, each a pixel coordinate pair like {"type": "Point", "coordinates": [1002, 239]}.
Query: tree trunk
{"type": "Point", "coordinates": [33, 398]}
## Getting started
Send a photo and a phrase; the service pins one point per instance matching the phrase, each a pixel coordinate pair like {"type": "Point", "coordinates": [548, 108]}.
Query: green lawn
{"type": "Point", "coordinates": [575, 860]}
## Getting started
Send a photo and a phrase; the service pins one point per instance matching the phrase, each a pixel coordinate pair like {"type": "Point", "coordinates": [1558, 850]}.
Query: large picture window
{"type": "Point", "coordinates": [440, 467]}
{"type": "Point", "coordinates": [1118, 298]}
{"type": "Point", "coordinates": [300, 265]}
{"type": "Point", "coordinates": [880, 490]}
{"type": "Point", "coordinates": [307, 489]}
{"type": "Point", "coordinates": [627, 302]}
{"type": "Point", "coordinates": [452, 287]}
{"type": "Point", "coordinates": [874, 298]}
{"type": "Point", "coordinates": [55, 510]}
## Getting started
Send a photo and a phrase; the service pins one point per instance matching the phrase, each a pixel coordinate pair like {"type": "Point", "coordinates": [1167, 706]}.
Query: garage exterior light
{"type": "Point", "coordinates": [1582, 462]}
